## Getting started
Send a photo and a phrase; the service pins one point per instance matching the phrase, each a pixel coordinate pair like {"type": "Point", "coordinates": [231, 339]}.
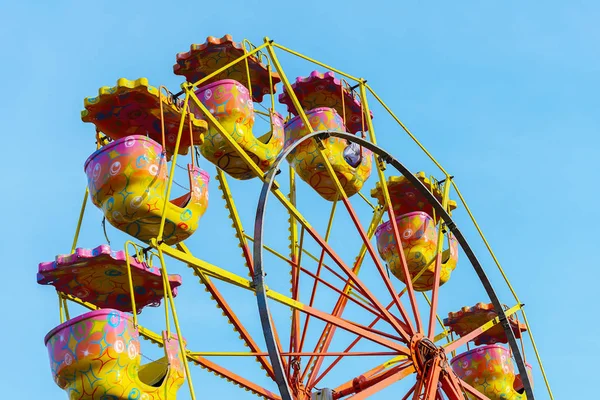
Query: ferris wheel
{"type": "Point", "coordinates": [345, 258]}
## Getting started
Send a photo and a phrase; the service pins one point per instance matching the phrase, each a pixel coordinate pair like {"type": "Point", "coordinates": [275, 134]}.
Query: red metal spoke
{"type": "Point", "coordinates": [338, 353]}
{"type": "Point", "coordinates": [380, 382]}
{"type": "Point", "coordinates": [418, 387]}
{"type": "Point", "coordinates": [318, 275]}
{"type": "Point", "coordinates": [357, 353]}
{"type": "Point", "coordinates": [433, 377]}
{"type": "Point", "coordinates": [301, 353]}
{"type": "Point", "coordinates": [437, 269]}
{"type": "Point", "coordinates": [449, 388]}
{"type": "Point", "coordinates": [435, 294]}
{"type": "Point", "coordinates": [407, 276]}
{"type": "Point", "coordinates": [369, 374]}
{"type": "Point", "coordinates": [377, 331]}
{"type": "Point", "coordinates": [325, 338]}
{"type": "Point", "coordinates": [463, 340]}
{"type": "Point", "coordinates": [236, 379]}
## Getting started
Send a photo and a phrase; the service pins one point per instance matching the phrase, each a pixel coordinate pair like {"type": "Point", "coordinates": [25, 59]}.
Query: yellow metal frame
{"type": "Point", "coordinates": [232, 211]}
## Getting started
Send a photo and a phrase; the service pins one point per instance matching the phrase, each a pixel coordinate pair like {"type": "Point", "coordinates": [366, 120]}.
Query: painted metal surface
{"type": "Point", "coordinates": [406, 198]}
{"type": "Point", "coordinates": [419, 237]}
{"type": "Point", "coordinates": [203, 59]}
{"type": "Point", "coordinates": [325, 90]}
{"type": "Point", "coordinates": [134, 108]}
{"type": "Point", "coordinates": [490, 370]}
{"type": "Point", "coordinates": [309, 165]}
{"type": "Point", "coordinates": [230, 103]}
{"type": "Point", "coordinates": [126, 180]}
{"type": "Point", "coordinates": [96, 356]}
{"type": "Point", "coordinates": [468, 319]}
{"type": "Point", "coordinates": [99, 276]}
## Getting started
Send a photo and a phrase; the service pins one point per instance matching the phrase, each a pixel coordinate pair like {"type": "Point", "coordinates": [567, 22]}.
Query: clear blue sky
{"type": "Point", "coordinates": [505, 94]}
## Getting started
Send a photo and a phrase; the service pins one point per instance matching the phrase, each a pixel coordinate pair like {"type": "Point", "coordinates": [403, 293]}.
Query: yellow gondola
{"type": "Point", "coordinates": [230, 103]}
{"type": "Point", "coordinates": [127, 180]}
{"type": "Point", "coordinates": [352, 165]}
{"type": "Point", "coordinates": [96, 356]}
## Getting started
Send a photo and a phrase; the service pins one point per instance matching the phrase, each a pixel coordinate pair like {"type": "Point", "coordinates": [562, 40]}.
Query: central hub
{"type": "Point", "coordinates": [424, 352]}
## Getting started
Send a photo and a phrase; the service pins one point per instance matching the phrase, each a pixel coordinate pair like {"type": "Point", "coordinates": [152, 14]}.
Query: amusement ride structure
{"type": "Point", "coordinates": [350, 311]}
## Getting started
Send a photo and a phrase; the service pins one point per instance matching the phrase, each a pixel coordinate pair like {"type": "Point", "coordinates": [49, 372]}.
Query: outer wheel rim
{"type": "Point", "coordinates": [259, 273]}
